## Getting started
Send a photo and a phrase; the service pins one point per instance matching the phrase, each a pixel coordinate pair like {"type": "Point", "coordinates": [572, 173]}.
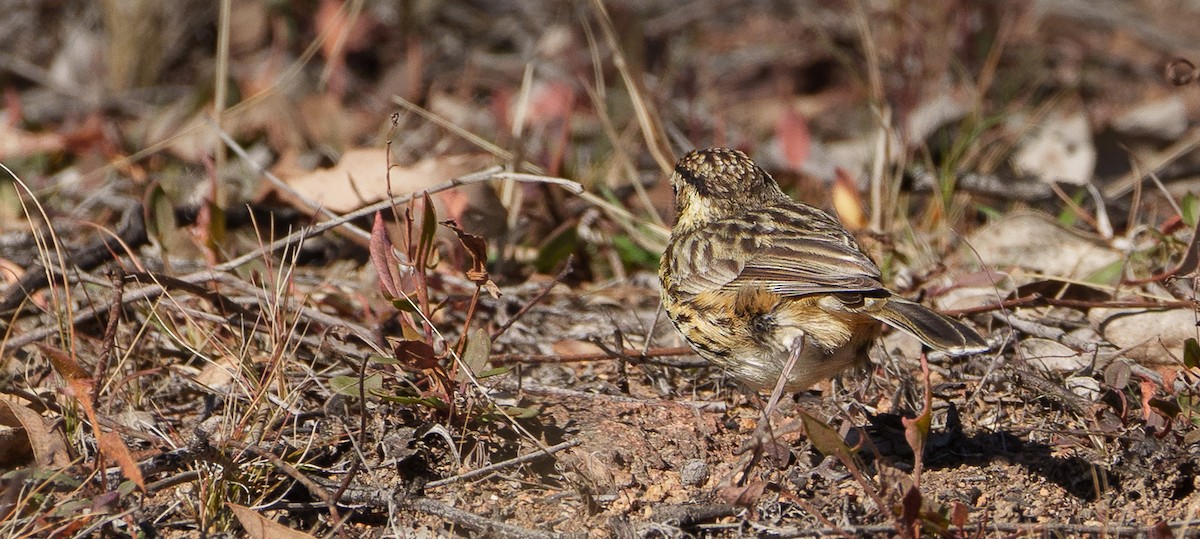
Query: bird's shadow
{"type": "Point", "coordinates": [951, 447]}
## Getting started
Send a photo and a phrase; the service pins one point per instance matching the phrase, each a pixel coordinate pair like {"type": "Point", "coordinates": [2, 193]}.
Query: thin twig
{"type": "Point", "coordinates": [1038, 300]}
{"type": "Point", "coordinates": [110, 337]}
{"type": "Point", "coordinates": [502, 465]}
{"type": "Point", "coordinates": [651, 355]}
{"type": "Point", "coordinates": [570, 267]}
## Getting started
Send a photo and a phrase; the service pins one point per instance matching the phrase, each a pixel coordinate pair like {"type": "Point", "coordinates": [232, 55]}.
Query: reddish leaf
{"type": "Point", "coordinates": [916, 430]}
{"type": "Point", "coordinates": [79, 385]}
{"type": "Point", "coordinates": [550, 101]}
{"type": "Point", "coordinates": [416, 355]}
{"type": "Point", "coordinates": [381, 257]}
{"type": "Point", "coordinates": [743, 496]}
{"type": "Point", "coordinates": [792, 131]}
{"type": "Point", "coordinates": [113, 447]}
{"type": "Point", "coordinates": [1148, 389]}
{"type": "Point", "coordinates": [910, 513]}
{"type": "Point", "coordinates": [959, 514]}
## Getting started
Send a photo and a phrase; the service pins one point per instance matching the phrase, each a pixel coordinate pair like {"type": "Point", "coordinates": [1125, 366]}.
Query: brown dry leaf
{"type": "Point", "coordinates": [31, 434]}
{"type": "Point", "coordinates": [327, 122]}
{"type": "Point", "coordinates": [219, 374]}
{"type": "Point", "coordinates": [360, 178]}
{"type": "Point", "coordinates": [260, 527]}
{"type": "Point", "coordinates": [115, 448]}
{"type": "Point", "coordinates": [743, 496]}
{"type": "Point", "coordinates": [476, 247]}
{"type": "Point", "coordinates": [79, 386]}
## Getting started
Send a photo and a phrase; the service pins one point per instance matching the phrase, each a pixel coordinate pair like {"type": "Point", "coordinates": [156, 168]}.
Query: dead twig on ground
{"type": "Point", "coordinates": [502, 465]}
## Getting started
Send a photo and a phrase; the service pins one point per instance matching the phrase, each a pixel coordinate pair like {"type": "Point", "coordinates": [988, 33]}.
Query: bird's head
{"type": "Point", "coordinates": [716, 183]}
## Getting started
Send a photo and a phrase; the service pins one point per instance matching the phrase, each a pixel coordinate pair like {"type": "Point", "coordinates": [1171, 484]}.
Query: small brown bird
{"type": "Point", "coordinates": [775, 291]}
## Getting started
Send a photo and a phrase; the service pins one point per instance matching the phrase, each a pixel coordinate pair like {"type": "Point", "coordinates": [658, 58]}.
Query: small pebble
{"type": "Point", "coordinates": [694, 472]}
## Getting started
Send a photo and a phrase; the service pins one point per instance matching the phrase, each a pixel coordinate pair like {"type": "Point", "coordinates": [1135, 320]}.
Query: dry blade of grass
{"type": "Point", "coordinates": [50, 254]}
{"type": "Point", "coordinates": [646, 234]}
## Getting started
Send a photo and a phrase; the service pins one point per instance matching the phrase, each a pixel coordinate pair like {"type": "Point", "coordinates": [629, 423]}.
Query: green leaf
{"type": "Point", "coordinates": [493, 372]}
{"type": "Point", "coordinates": [348, 385]}
{"type": "Point", "coordinates": [382, 360]}
{"type": "Point", "coordinates": [1189, 405]}
{"type": "Point", "coordinates": [634, 255]}
{"type": "Point", "coordinates": [479, 348]}
{"type": "Point", "coordinates": [406, 304]}
{"type": "Point", "coordinates": [521, 412]}
{"type": "Point", "coordinates": [992, 214]}
{"type": "Point", "coordinates": [428, 229]}
{"type": "Point", "coordinates": [556, 249]}
{"type": "Point", "coordinates": [824, 438]}
{"type": "Point", "coordinates": [1067, 217]}
{"type": "Point", "coordinates": [430, 402]}
{"type": "Point", "coordinates": [1190, 207]}
{"type": "Point", "coordinates": [1191, 353]}
{"type": "Point", "coordinates": [1108, 275]}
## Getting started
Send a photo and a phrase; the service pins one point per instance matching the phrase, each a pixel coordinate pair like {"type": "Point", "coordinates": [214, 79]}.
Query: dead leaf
{"type": "Point", "coordinates": [17, 143]}
{"type": "Point", "coordinates": [79, 386]}
{"type": "Point", "coordinates": [847, 202]}
{"type": "Point", "coordinates": [218, 374]}
{"type": "Point", "coordinates": [794, 137]}
{"type": "Point", "coordinates": [360, 178]}
{"type": "Point", "coordinates": [260, 527]}
{"type": "Point", "coordinates": [743, 496]}
{"type": "Point", "coordinates": [1037, 243]}
{"type": "Point", "coordinates": [476, 247]}
{"type": "Point", "coordinates": [1148, 337]}
{"type": "Point", "coordinates": [36, 435]}
{"type": "Point", "coordinates": [1165, 119]}
{"type": "Point", "coordinates": [416, 355]}
{"type": "Point", "coordinates": [1051, 356]}
{"type": "Point", "coordinates": [114, 448]}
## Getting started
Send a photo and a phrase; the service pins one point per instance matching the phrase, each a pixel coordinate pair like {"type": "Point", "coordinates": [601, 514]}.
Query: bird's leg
{"type": "Point", "coordinates": [763, 439]}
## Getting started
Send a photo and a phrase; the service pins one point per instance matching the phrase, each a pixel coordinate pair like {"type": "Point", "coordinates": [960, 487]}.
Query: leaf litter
{"type": "Point", "coordinates": [493, 362]}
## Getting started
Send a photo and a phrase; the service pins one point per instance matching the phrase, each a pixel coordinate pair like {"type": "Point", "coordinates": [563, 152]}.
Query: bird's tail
{"type": "Point", "coordinates": [936, 330]}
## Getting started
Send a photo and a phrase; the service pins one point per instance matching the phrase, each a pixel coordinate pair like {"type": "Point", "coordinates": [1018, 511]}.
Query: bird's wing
{"type": "Point", "coordinates": [773, 251]}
